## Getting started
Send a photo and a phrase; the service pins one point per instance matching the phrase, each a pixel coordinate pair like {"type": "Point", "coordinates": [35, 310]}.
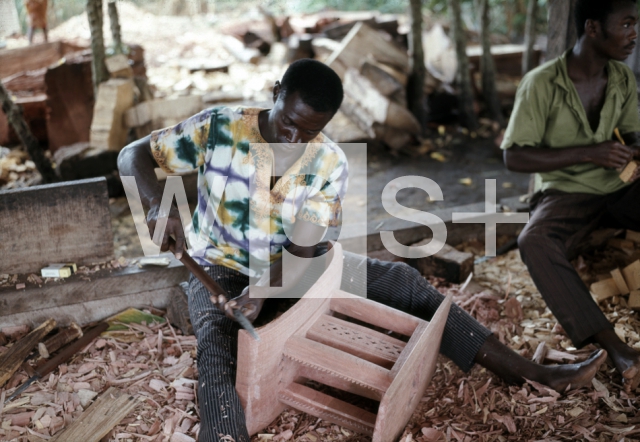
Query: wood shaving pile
{"type": "Point", "coordinates": [154, 362]}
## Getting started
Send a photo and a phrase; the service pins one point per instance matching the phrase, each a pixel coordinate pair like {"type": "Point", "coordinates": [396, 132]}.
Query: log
{"type": "Point", "coordinates": [99, 419]}
{"type": "Point", "coordinates": [80, 161]}
{"type": "Point", "coordinates": [363, 41]}
{"type": "Point", "coordinates": [108, 130]}
{"type": "Point", "coordinates": [60, 339]}
{"type": "Point", "coordinates": [11, 361]}
{"type": "Point", "coordinates": [98, 68]}
{"type": "Point", "coordinates": [488, 68]}
{"type": "Point", "coordinates": [380, 108]}
{"type": "Point", "coordinates": [530, 37]}
{"type": "Point", "coordinates": [449, 263]}
{"type": "Point", "coordinates": [114, 22]}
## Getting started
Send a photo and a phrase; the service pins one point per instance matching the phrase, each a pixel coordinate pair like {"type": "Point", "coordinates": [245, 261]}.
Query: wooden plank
{"type": "Point", "coordinates": [562, 31]}
{"type": "Point", "coordinates": [374, 313]}
{"type": "Point", "coordinates": [325, 378]}
{"type": "Point", "coordinates": [362, 40]}
{"type": "Point", "coordinates": [108, 130]}
{"type": "Point", "coordinates": [33, 57]}
{"type": "Point", "coordinates": [357, 340]}
{"type": "Point", "coordinates": [62, 222]}
{"type": "Point", "coordinates": [634, 300]}
{"type": "Point", "coordinates": [107, 283]}
{"type": "Point", "coordinates": [412, 373]}
{"type": "Point", "coordinates": [91, 311]}
{"type": "Point", "coordinates": [99, 419]}
{"type": "Point", "coordinates": [631, 275]}
{"type": "Point", "coordinates": [620, 282]}
{"type": "Point", "coordinates": [15, 356]}
{"type": "Point", "coordinates": [162, 113]}
{"type": "Point", "coordinates": [70, 102]}
{"type": "Point", "coordinates": [329, 408]}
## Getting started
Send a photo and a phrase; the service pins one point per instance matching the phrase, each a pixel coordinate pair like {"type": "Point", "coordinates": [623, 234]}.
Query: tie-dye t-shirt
{"type": "Point", "coordinates": [234, 167]}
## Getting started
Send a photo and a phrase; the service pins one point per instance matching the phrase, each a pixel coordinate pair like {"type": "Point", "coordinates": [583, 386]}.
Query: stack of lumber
{"type": "Point", "coordinates": [374, 72]}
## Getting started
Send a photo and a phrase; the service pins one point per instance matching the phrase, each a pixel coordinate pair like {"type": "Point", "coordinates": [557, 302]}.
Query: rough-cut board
{"type": "Point", "coordinates": [634, 300]}
{"type": "Point", "coordinates": [362, 40]}
{"type": "Point", "coordinates": [99, 419]}
{"type": "Point", "coordinates": [80, 289]}
{"type": "Point", "coordinates": [70, 102]}
{"type": "Point", "coordinates": [115, 97]}
{"type": "Point", "coordinates": [13, 358]}
{"type": "Point", "coordinates": [63, 222]}
{"type": "Point", "coordinates": [33, 57]}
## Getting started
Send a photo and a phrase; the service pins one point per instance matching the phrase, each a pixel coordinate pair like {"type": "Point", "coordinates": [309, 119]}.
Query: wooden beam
{"type": "Point", "coordinates": [33, 57]}
{"type": "Point", "coordinates": [99, 419]}
{"type": "Point", "coordinates": [562, 31]}
{"type": "Point", "coordinates": [62, 222]}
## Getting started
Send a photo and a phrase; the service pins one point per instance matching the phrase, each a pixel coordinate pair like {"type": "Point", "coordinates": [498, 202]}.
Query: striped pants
{"type": "Point", "coordinates": [394, 284]}
{"type": "Point", "coordinates": [555, 232]}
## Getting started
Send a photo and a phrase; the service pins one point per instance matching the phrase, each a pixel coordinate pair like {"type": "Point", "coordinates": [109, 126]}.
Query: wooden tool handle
{"type": "Point", "coordinates": [197, 270]}
{"type": "Point", "coordinates": [70, 350]}
{"type": "Point", "coordinates": [618, 136]}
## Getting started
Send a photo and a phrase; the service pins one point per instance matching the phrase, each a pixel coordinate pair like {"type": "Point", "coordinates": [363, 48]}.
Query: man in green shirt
{"type": "Point", "coordinates": [562, 129]}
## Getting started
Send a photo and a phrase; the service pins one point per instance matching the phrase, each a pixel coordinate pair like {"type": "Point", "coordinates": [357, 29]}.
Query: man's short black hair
{"type": "Point", "coordinates": [594, 10]}
{"type": "Point", "coordinates": [318, 85]}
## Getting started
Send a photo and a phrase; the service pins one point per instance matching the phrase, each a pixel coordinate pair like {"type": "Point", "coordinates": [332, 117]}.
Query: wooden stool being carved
{"type": "Point", "coordinates": [309, 343]}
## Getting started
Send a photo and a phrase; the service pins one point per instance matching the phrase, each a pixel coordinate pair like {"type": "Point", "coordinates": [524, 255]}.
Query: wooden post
{"type": "Point", "coordinates": [488, 68]}
{"type": "Point", "coordinates": [16, 119]}
{"type": "Point", "coordinates": [464, 76]}
{"type": "Point", "coordinates": [114, 21]}
{"type": "Point", "coordinates": [562, 31]}
{"type": "Point", "coordinates": [529, 36]}
{"type": "Point", "coordinates": [417, 69]}
{"type": "Point", "coordinates": [99, 69]}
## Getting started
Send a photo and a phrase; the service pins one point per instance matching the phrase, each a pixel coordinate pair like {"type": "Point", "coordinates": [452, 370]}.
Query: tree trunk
{"type": "Point", "coordinates": [488, 68]}
{"type": "Point", "coordinates": [114, 21]}
{"type": "Point", "coordinates": [99, 69]}
{"type": "Point", "coordinates": [14, 115]}
{"type": "Point", "coordinates": [529, 36]}
{"type": "Point", "coordinates": [417, 69]}
{"type": "Point", "coordinates": [562, 31]}
{"type": "Point", "coordinates": [464, 77]}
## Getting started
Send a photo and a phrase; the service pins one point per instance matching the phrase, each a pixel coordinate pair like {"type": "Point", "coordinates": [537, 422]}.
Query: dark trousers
{"type": "Point", "coordinates": [394, 284]}
{"type": "Point", "coordinates": [560, 222]}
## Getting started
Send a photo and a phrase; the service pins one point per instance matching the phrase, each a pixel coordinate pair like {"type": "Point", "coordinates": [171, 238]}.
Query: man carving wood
{"type": "Point", "coordinates": [562, 128]}
{"type": "Point", "coordinates": [233, 143]}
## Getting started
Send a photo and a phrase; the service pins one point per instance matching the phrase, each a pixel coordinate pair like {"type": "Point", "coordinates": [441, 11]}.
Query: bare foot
{"type": "Point", "coordinates": [573, 376]}
{"type": "Point", "coordinates": [624, 358]}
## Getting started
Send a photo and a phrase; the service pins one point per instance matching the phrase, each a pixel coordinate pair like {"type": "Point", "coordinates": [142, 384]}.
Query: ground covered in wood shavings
{"type": "Point", "coordinates": [158, 363]}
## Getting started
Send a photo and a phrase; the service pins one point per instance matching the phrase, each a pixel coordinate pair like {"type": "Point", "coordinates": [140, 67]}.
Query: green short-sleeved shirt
{"type": "Point", "coordinates": [548, 113]}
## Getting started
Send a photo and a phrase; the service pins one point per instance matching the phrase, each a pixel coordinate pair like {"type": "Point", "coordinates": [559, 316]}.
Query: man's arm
{"type": "Point", "coordinates": [609, 154]}
{"type": "Point", "coordinates": [136, 160]}
{"type": "Point", "coordinates": [304, 240]}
